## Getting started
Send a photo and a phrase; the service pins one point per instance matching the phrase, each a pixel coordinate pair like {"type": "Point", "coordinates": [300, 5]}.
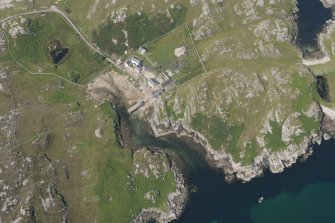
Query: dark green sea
{"type": "Point", "coordinates": [315, 202]}
{"type": "Point", "coordinates": [303, 193]}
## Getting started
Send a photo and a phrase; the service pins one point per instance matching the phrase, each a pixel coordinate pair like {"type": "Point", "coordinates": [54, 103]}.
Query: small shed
{"type": "Point", "coordinates": [151, 83]}
{"type": "Point", "coordinates": [155, 81]}
{"type": "Point", "coordinates": [143, 50]}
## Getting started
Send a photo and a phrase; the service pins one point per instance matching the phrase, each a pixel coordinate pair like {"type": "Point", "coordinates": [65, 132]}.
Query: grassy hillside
{"type": "Point", "coordinates": [91, 14]}
{"type": "Point", "coordinates": [241, 83]}
{"type": "Point", "coordinates": [70, 162]}
{"type": "Point", "coordinates": [31, 48]}
{"type": "Point", "coordinates": [96, 177]}
{"type": "Point", "coordinates": [256, 94]}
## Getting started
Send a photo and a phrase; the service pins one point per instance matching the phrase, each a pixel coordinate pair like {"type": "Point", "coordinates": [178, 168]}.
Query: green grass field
{"type": "Point", "coordinates": [140, 29]}
{"type": "Point", "coordinates": [89, 16]}
{"type": "Point", "coordinates": [80, 65]}
{"type": "Point", "coordinates": [162, 54]}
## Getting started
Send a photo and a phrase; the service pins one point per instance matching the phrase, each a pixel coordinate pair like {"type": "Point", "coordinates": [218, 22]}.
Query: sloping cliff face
{"type": "Point", "coordinates": [275, 161]}
{"type": "Point", "coordinates": [256, 107]}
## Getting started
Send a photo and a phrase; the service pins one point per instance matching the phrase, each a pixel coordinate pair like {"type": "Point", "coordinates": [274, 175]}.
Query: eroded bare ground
{"type": "Point", "coordinates": [111, 83]}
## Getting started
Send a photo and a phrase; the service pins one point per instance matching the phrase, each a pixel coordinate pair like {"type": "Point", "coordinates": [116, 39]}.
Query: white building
{"type": "Point", "coordinates": [136, 62]}
{"type": "Point", "coordinates": [143, 50]}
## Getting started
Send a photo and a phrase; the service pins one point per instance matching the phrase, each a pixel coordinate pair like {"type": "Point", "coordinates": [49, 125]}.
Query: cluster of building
{"type": "Point", "coordinates": [158, 83]}
{"type": "Point", "coordinates": [135, 62]}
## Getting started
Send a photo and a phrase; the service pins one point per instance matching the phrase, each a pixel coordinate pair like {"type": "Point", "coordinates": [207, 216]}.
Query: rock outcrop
{"type": "Point", "coordinates": [275, 161]}
{"type": "Point", "coordinates": [176, 200]}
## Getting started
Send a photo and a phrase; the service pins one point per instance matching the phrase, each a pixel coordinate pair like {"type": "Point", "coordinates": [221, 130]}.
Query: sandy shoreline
{"type": "Point", "coordinates": [312, 62]}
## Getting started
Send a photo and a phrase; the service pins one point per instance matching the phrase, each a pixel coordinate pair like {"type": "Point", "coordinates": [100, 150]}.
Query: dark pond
{"type": "Point", "coordinates": [57, 51]}
{"type": "Point", "coordinates": [58, 55]}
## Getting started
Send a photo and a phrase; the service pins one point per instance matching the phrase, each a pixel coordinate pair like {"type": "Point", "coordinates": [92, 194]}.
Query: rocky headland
{"type": "Point", "coordinates": [176, 203]}
{"type": "Point", "coordinates": [275, 160]}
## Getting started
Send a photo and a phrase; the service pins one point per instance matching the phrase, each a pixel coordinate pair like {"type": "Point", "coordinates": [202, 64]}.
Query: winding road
{"type": "Point", "coordinates": [55, 9]}
{"type": "Point", "coordinates": [25, 13]}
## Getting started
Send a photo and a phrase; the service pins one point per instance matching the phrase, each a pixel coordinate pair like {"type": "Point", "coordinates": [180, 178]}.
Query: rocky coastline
{"type": "Point", "coordinates": [177, 199]}
{"type": "Point", "coordinates": [330, 27]}
{"type": "Point", "coordinates": [328, 123]}
{"type": "Point", "coordinates": [176, 203]}
{"type": "Point", "coordinates": [275, 162]}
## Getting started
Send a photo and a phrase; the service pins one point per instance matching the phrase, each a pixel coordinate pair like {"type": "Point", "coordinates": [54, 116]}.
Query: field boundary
{"type": "Point", "coordinates": [182, 84]}
{"type": "Point", "coordinates": [162, 36]}
{"type": "Point", "coordinates": [35, 73]}
{"type": "Point", "coordinates": [196, 49]}
{"type": "Point", "coordinates": [193, 44]}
